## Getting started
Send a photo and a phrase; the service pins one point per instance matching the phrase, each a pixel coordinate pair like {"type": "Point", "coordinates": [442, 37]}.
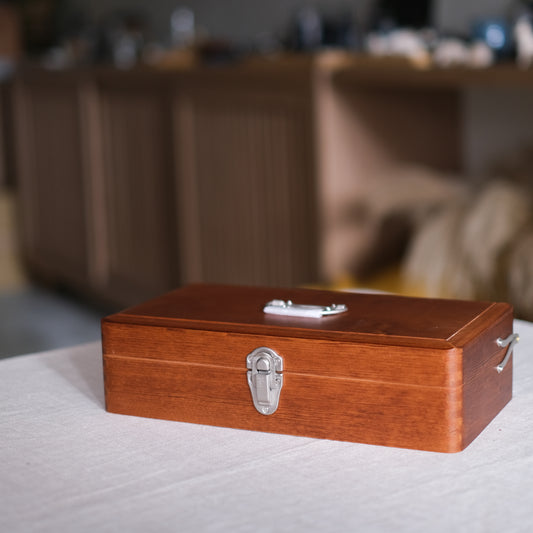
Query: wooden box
{"type": "Point", "coordinates": [390, 370]}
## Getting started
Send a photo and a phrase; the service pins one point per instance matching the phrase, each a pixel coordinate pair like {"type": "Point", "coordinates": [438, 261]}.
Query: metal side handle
{"type": "Point", "coordinates": [510, 341]}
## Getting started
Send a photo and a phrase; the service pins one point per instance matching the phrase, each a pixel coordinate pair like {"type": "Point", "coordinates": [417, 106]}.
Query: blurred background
{"type": "Point", "coordinates": [343, 144]}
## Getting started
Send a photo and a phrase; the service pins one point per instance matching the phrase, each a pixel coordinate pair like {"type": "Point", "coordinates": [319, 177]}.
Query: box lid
{"type": "Point", "coordinates": [371, 318]}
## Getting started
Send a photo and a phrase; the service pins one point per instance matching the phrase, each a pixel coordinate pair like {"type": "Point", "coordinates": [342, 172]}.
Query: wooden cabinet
{"type": "Point", "coordinates": [52, 179]}
{"type": "Point", "coordinates": [246, 197]}
{"type": "Point", "coordinates": [134, 183]}
{"type": "Point", "coordinates": [135, 190]}
{"type": "Point", "coordinates": [95, 180]}
{"type": "Point", "coordinates": [4, 135]}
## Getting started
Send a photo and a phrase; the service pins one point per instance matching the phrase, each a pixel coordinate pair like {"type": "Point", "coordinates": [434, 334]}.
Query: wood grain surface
{"type": "Point", "coordinates": [394, 371]}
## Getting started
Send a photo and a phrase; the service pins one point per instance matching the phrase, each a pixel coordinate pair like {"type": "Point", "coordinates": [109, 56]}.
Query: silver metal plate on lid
{"type": "Point", "coordinates": [287, 308]}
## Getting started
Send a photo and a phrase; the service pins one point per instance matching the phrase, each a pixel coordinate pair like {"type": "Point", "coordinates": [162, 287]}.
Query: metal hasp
{"type": "Point", "coordinates": [287, 308]}
{"type": "Point", "coordinates": [510, 341]}
{"type": "Point", "coordinates": [265, 379]}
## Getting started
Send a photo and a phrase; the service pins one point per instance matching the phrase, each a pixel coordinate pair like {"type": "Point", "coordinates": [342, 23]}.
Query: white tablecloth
{"type": "Point", "coordinates": [67, 465]}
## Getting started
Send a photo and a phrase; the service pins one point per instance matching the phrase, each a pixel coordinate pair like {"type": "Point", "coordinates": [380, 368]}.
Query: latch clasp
{"type": "Point", "coordinates": [265, 379]}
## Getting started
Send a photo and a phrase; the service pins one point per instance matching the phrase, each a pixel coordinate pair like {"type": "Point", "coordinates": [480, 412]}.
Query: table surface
{"type": "Point", "coordinates": [68, 465]}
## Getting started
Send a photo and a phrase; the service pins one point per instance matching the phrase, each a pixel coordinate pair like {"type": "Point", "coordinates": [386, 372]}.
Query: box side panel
{"type": "Point", "coordinates": [485, 390]}
{"type": "Point", "coordinates": [200, 377]}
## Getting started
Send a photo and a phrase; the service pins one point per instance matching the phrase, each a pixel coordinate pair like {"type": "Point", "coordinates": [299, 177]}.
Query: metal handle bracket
{"type": "Point", "coordinates": [509, 341]}
{"type": "Point", "coordinates": [287, 308]}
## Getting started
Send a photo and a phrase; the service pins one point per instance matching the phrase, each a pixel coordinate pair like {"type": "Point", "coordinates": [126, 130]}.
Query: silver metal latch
{"type": "Point", "coordinates": [265, 379]}
{"type": "Point", "coordinates": [287, 308]}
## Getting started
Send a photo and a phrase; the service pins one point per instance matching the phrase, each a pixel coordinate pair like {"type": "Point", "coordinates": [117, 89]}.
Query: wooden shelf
{"type": "Point", "coordinates": [156, 177]}
{"type": "Point", "coordinates": [362, 70]}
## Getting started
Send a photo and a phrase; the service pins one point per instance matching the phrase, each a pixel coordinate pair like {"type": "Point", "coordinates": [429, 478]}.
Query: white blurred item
{"type": "Point", "coordinates": [401, 43]}
{"type": "Point", "coordinates": [454, 52]}
{"type": "Point", "coordinates": [523, 34]}
{"type": "Point", "coordinates": [480, 55]}
{"type": "Point", "coordinates": [310, 27]}
{"type": "Point", "coordinates": [124, 50]}
{"type": "Point", "coordinates": [451, 53]}
{"type": "Point", "coordinates": [478, 247]}
{"type": "Point", "coordinates": [182, 27]}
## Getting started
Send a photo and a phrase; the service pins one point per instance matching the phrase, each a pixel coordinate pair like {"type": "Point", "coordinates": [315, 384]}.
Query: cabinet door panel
{"type": "Point", "coordinates": [141, 248]}
{"type": "Point", "coordinates": [247, 183]}
{"type": "Point", "coordinates": [51, 179]}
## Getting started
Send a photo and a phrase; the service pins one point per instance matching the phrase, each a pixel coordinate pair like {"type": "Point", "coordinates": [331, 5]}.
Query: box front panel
{"type": "Point", "coordinates": [339, 409]}
{"type": "Point", "coordinates": [341, 391]}
{"type": "Point", "coordinates": [417, 366]}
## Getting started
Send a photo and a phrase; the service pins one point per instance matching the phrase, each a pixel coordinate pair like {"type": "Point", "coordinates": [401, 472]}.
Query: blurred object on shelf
{"type": "Point", "coordinates": [119, 38]}
{"type": "Point", "coordinates": [218, 52]}
{"type": "Point", "coordinates": [125, 37]}
{"type": "Point", "coordinates": [372, 228]}
{"type": "Point", "coordinates": [306, 31]}
{"type": "Point", "coordinates": [480, 55]}
{"type": "Point", "coordinates": [466, 250]}
{"type": "Point", "coordinates": [182, 27]}
{"type": "Point", "coordinates": [174, 59]}
{"type": "Point", "coordinates": [405, 29]}
{"type": "Point", "coordinates": [480, 246]}
{"type": "Point", "coordinates": [189, 46]}
{"type": "Point", "coordinates": [341, 60]}
{"type": "Point", "coordinates": [342, 31]}
{"type": "Point", "coordinates": [523, 34]}
{"type": "Point", "coordinates": [414, 230]}
{"type": "Point", "coordinates": [209, 52]}
{"type": "Point", "coordinates": [450, 52]}
{"type": "Point", "coordinates": [126, 49]}
{"type": "Point", "coordinates": [153, 52]}
{"type": "Point", "coordinates": [392, 14]}
{"type": "Point", "coordinates": [424, 49]}
{"type": "Point", "coordinates": [496, 34]}
{"type": "Point", "coordinates": [75, 44]}
{"type": "Point", "coordinates": [520, 17]}
{"type": "Point", "coordinates": [411, 44]}
{"type": "Point", "coordinates": [10, 36]}
{"type": "Point", "coordinates": [310, 30]}
{"type": "Point", "coordinates": [454, 52]}
{"type": "Point", "coordinates": [266, 44]}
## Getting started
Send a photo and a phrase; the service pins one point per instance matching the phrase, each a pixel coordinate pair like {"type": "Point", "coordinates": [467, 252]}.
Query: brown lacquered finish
{"type": "Point", "coordinates": [395, 371]}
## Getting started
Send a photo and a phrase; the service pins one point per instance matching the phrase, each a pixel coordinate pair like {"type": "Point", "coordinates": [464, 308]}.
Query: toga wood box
{"type": "Point", "coordinates": [394, 371]}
